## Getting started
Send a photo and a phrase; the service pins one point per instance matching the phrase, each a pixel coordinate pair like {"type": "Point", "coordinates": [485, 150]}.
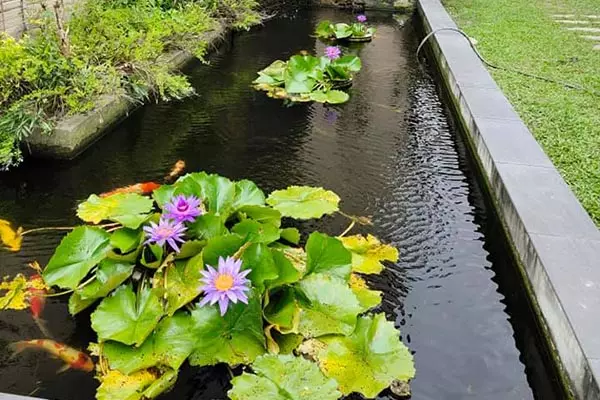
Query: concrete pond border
{"type": "Point", "coordinates": [74, 134]}
{"type": "Point", "coordinates": [557, 245]}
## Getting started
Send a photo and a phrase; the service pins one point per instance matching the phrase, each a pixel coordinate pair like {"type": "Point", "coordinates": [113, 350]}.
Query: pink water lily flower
{"type": "Point", "coordinates": [225, 284]}
{"type": "Point", "coordinates": [183, 208]}
{"type": "Point", "coordinates": [333, 52]}
{"type": "Point", "coordinates": [166, 231]}
{"type": "Point", "coordinates": [361, 18]}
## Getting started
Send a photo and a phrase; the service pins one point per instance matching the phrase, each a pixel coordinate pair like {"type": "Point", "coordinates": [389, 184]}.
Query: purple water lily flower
{"type": "Point", "coordinates": [226, 283]}
{"type": "Point", "coordinates": [362, 18]}
{"type": "Point", "coordinates": [183, 208]}
{"type": "Point", "coordinates": [166, 231]}
{"type": "Point", "coordinates": [333, 52]}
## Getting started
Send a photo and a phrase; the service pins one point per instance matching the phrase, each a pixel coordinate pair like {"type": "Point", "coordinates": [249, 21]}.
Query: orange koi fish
{"type": "Point", "coordinates": [176, 171]}
{"type": "Point", "coordinates": [74, 359]}
{"type": "Point", "coordinates": [37, 302]}
{"type": "Point", "coordinates": [139, 188]}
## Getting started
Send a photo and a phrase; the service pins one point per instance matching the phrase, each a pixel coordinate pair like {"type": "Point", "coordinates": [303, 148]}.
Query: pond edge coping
{"type": "Point", "coordinates": [74, 134]}
{"type": "Point", "coordinates": [557, 244]}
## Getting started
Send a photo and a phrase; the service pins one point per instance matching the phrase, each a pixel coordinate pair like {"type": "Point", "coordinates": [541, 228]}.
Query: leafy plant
{"type": "Point", "coordinates": [114, 47]}
{"type": "Point", "coordinates": [342, 31]}
{"type": "Point", "coordinates": [219, 279]}
{"type": "Point", "coordinates": [308, 78]}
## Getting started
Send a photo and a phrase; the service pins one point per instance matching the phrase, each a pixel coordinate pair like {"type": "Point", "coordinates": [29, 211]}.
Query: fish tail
{"type": "Point", "coordinates": [18, 347]}
{"type": "Point", "coordinates": [42, 325]}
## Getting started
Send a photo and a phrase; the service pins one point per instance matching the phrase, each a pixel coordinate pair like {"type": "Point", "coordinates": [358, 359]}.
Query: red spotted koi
{"type": "Point", "coordinates": [73, 359]}
{"type": "Point", "coordinates": [37, 302]}
{"type": "Point", "coordinates": [139, 188]}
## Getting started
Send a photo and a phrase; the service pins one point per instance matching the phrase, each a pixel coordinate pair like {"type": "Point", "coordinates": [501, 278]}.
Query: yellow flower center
{"type": "Point", "coordinates": [224, 282]}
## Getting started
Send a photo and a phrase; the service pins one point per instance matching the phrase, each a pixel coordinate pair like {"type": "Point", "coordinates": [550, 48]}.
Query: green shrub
{"type": "Point", "coordinates": [115, 47]}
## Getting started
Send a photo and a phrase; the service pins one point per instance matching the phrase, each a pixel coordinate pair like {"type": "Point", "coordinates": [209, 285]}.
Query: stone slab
{"type": "Point", "coordinates": [555, 241]}
{"type": "Point", "coordinates": [74, 134]}
{"type": "Point", "coordinates": [6, 396]}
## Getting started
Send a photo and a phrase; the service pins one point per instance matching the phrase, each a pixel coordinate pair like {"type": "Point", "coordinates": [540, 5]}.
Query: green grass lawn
{"type": "Point", "coordinates": [521, 34]}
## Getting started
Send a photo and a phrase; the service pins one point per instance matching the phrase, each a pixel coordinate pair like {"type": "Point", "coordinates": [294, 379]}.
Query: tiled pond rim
{"type": "Point", "coordinates": [73, 135]}
{"type": "Point", "coordinates": [556, 242]}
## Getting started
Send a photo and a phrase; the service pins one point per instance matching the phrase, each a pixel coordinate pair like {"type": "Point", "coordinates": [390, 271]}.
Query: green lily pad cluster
{"type": "Point", "coordinates": [306, 78]}
{"type": "Point", "coordinates": [305, 333]}
{"type": "Point", "coordinates": [341, 31]}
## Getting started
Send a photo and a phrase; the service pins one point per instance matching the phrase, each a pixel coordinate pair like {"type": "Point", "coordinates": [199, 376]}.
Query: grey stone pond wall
{"type": "Point", "coordinates": [556, 243]}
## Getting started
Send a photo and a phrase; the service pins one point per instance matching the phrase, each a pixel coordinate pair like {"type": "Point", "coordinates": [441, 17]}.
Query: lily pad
{"type": "Point", "coordinates": [283, 377]}
{"type": "Point", "coordinates": [115, 385]}
{"type": "Point", "coordinates": [207, 226]}
{"type": "Point", "coordinates": [256, 232]}
{"type": "Point", "coordinates": [304, 202]}
{"type": "Point", "coordinates": [327, 255]}
{"type": "Point", "coordinates": [75, 256]}
{"type": "Point", "coordinates": [368, 252]}
{"type": "Point", "coordinates": [235, 338]}
{"type": "Point", "coordinates": [367, 298]}
{"type": "Point", "coordinates": [181, 282]}
{"type": "Point", "coordinates": [127, 318]}
{"type": "Point", "coordinates": [292, 235]}
{"type": "Point", "coordinates": [258, 258]}
{"type": "Point", "coordinates": [329, 307]}
{"type": "Point", "coordinates": [129, 209]}
{"type": "Point", "coordinates": [109, 276]}
{"type": "Point", "coordinates": [262, 214]}
{"type": "Point", "coordinates": [368, 360]}
{"type": "Point", "coordinates": [286, 271]}
{"type": "Point", "coordinates": [172, 342]}
{"type": "Point", "coordinates": [247, 194]}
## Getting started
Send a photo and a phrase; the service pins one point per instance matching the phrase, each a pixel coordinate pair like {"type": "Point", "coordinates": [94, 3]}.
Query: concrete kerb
{"type": "Point", "coordinates": [556, 242]}
{"type": "Point", "coordinates": [74, 134]}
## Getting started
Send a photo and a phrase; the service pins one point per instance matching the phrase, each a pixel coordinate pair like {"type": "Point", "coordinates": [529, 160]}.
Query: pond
{"type": "Point", "coordinates": [390, 152]}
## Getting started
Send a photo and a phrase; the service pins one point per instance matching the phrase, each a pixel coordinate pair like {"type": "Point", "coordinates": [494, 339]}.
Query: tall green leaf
{"type": "Point", "coordinates": [283, 377]}
{"type": "Point", "coordinates": [75, 256]}
{"type": "Point", "coordinates": [127, 318]}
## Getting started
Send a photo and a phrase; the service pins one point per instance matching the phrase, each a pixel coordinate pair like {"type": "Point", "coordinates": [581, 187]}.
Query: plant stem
{"type": "Point", "coordinates": [348, 229]}
{"type": "Point", "coordinates": [81, 286]}
{"type": "Point", "coordinates": [64, 228]}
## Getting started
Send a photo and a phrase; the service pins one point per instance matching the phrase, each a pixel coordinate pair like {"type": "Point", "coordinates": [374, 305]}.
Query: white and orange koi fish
{"type": "Point", "coordinates": [72, 358]}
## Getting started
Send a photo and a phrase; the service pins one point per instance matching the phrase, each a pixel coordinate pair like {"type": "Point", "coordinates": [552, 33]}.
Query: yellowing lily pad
{"type": "Point", "coordinates": [304, 202]}
{"type": "Point", "coordinates": [368, 252]}
{"type": "Point", "coordinates": [368, 360]}
{"type": "Point", "coordinates": [117, 386]}
{"type": "Point", "coordinates": [129, 209]}
{"type": "Point", "coordinates": [10, 238]}
{"type": "Point", "coordinates": [366, 297]}
{"type": "Point", "coordinates": [283, 377]}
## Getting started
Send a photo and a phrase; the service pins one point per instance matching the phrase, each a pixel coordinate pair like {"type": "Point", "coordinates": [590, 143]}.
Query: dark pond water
{"type": "Point", "coordinates": [390, 153]}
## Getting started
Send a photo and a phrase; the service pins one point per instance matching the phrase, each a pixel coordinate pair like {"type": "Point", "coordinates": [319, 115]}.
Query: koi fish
{"type": "Point", "coordinates": [139, 188]}
{"type": "Point", "coordinates": [72, 358]}
{"type": "Point", "coordinates": [176, 171]}
{"type": "Point", "coordinates": [37, 302]}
